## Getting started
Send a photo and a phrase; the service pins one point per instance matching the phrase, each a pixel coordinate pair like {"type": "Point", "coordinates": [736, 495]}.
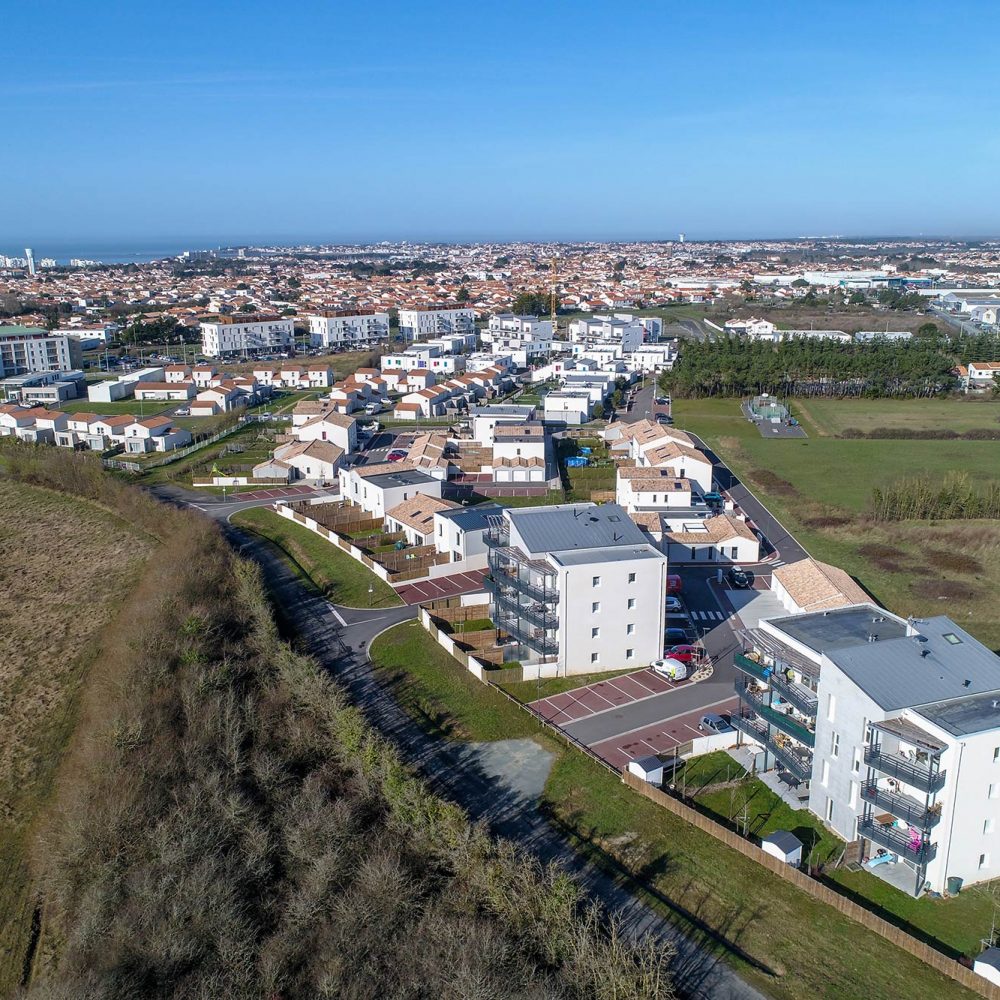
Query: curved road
{"type": "Point", "coordinates": [337, 637]}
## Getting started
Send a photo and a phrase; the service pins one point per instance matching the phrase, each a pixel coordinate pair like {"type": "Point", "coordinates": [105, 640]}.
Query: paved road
{"type": "Point", "coordinates": [338, 639]}
{"type": "Point", "coordinates": [775, 532]}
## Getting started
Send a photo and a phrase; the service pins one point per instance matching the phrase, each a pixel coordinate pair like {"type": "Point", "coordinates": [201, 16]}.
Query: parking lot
{"type": "Point", "coordinates": [445, 586]}
{"type": "Point", "coordinates": [571, 706]}
{"type": "Point", "coordinates": [278, 493]}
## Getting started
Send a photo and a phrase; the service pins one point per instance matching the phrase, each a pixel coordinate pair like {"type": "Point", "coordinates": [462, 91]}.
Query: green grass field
{"type": "Point", "coordinates": [784, 942]}
{"type": "Point", "coordinates": [830, 417]}
{"type": "Point", "coordinates": [820, 487]}
{"type": "Point", "coordinates": [148, 407]}
{"type": "Point", "coordinates": [343, 579]}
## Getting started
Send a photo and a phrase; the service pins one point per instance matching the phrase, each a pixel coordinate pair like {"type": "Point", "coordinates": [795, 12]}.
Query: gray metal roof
{"type": "Point", "coordinates": [502, 410]}
{"type": "Point", "coordinates": [569, 527]}
{"type": "Point", "coordinates": [405, 477]}
{"type": "Point", "coordinates": [841, 628]}
{"type": "Point", "coordinates": [784, 840]}
{"type": "Point", "coordinates": [941, 663]}
{"type": "Point", "coordinates": [965, 716]}
{"type": "Point", "coordinates": [471, 518]}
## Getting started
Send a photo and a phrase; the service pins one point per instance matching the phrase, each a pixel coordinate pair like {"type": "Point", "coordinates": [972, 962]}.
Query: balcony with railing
{"type": "Point", "coordinates": [898, 841]}
{"type": "Point", "coordinates": [503, 576]}
{"type": "Point", "coordinates": [797, 695]}
{"type": "Point", "coordinates": [906, 808]}
{"type": "Point", "coordinates": [751, 666]}
{"type": "Point", "coordinates": [772, 716]}
{"type": "Point", "coordinates": [797, 763]}
{"type": "Point", "coordinates": [910, 772]}
{"type": "Point", "coordinates": [534, 638]}
{"type": "Point", "coordinates": [537, 614]}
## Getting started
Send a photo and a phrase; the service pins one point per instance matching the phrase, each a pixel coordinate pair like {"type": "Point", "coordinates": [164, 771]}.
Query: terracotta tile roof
{"type": "Point", "coordinates": [816, 586]}
{"type": "Point", "coordinates": [418, 512]}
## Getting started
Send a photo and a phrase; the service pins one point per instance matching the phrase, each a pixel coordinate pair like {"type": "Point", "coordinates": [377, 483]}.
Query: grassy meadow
{"type": "Point", "coordinates": [66, 566]}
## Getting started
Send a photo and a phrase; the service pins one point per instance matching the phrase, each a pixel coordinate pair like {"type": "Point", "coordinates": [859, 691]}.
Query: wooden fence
{"type": "Point", "coordinates": [895, 935]}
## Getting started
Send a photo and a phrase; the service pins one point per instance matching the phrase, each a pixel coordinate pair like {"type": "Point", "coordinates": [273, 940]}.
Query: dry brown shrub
{"type": "Point", "coordinates": [956, 562]}
{"type": "Point", "coordinates": [951, 590]}
{"type": "Point", "coordinates": [773, 483]}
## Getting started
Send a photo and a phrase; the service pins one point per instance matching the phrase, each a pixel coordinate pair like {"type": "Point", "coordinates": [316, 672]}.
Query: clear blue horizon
{"type": "Point", "coordinates": [239, 123]}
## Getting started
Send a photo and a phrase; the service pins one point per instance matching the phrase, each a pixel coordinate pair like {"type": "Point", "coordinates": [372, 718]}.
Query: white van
{"type": "Point", "coordinates": [674, 669]}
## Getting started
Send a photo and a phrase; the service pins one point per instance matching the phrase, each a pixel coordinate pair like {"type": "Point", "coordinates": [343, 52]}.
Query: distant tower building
{"type": "Point", "coordinates": [30, 254]}
{"type": "Point", "coordinates": [682, 237]}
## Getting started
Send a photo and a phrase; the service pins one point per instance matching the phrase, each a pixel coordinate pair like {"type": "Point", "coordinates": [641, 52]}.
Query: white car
{"type": "Point", "coordinates": [673, 603]}
{"type": "Point", "coordinates": [669, 667]}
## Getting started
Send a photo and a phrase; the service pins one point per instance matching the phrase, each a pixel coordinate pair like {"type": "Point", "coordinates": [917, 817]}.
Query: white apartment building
{"type": "Point", "coordinates": [890, 729]}
{"type": "Point", "coordinates": [432, 321]}
{"type": "Point", "coordinates": [621, 329]}
{"type": "Point", "coordinates": [527, 327]}
{"type": "Point", "coordinates": [347, 328]}
{"type": "Point", "coordinates": [577, 585]}
{"type": "Point", "coordinates": [240, 335]}
{"type": "Point", "coordinates": [30, 349]}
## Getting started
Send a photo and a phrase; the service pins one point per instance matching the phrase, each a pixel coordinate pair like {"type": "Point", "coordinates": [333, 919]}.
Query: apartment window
{"type": "Point", "coordinates": [595, 633]}
{"type": "Point", "coordinates": [856, 764]}
{"type": "Point", "coordinates": [631, 578]}
{"type": "Point", "coordinates": [629, 654]}
{"type": "Point", "coordinates": [825, 776]}
{"type": "Point", "coordinates": [631, 604]}
{"type": "Point", "coordinates": [829, 810]}
{"type": "Point", "coordinates": [835, 745]}
{"type": "Point", "coordinates": [595, 607]}
{"type": "Point", "coordinates": [630, 629]}
{"type": "Point", "coordinates": [596, 582]}
{"type": "Point", "coordinates": [984, 861]}
{"type": "Point", "coordinates": [996, 754]}
{"type": "Point", "coordinates": [989, 825]}
{"type": "Point", "coordinates": [594, 657]}
{"type": "Point", "coordinates": [732, 552]}
{"type": "Point", "coordinates": [831, 707]}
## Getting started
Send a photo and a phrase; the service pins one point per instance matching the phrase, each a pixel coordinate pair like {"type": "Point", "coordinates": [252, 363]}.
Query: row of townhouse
{"type": "Point", "coordinates": [888, 729]}
{"type": "Point", "coordinates": [420, 323]}
{"type": "Point", "coordinates": [444, 355]}
{"type": "Point", "coordinates": [434, 400]}
{"type": "Point", "coordinates": [661, 482]}
{"type": "Point", "coordinates": [38, 425]}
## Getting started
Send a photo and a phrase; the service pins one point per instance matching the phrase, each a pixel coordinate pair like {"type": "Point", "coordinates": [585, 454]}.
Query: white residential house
{"type": "Point", "coordinates": [379, 488]}
{"type": "Point", "coordinates": [578, 585]}
{"type": "Point", "coordinates": [461, 533]}
{"type": "Point", "coordinates": [328, 425]}
{"type": "Point", "coordinates": [182, 391]}
{"type": "Point", "coordinates": [568, 406]}
{"type": "Point", "coordinates": [154, 434]}
{"type": "Point", "coordinates": [414, 517]}
{"type": "Point", "coordinates": [519, 453]}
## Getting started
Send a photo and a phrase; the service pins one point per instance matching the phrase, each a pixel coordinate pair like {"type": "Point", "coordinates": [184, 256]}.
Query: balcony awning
{"type": "Point", "coordinates": [909, 732]}
{"type": "Point", "coordinates": [766, 643]}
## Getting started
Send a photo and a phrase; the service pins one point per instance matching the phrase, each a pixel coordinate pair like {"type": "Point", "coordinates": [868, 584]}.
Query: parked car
{"type": "Point", "coordinates": [739, 578]}
{"type": "Point", "coordinates": [716, 723]}
{"type": "Point", "coordinates": [674, 603]}
{"type": "Point", "coordinates": [674, 584]}
{"type": "Point", "coordinates": [185, 411]}
{"type": "Point", "coordinates": [684, 652]}
{"type": "Point", "coordinates": [714, 497]}
{"type": "Point", "coordinates": [395, 456]}
{"type": "Point", "coordinates": [675, 635]}
{"type": "Point", "coordinates": [676, 670]}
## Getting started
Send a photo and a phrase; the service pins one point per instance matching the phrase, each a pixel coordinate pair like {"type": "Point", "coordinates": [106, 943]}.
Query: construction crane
{"type": "Point", "coordinates": [552, 300]}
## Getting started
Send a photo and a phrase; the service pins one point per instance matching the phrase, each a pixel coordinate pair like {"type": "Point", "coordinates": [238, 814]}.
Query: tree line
{"type": "Point", "coordinates": [921, 498]}
{"type": "Point", "coordinates": [731, 366]}
{"type": "Point", "coordinates": [234, 828]}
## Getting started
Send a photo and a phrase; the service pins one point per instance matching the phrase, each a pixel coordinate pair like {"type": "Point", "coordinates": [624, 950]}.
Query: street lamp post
{"type": "Point", "coordinates": [371, 592]}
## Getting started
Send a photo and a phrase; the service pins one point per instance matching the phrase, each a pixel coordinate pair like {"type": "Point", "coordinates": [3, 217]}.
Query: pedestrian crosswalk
{"type": "Point", "coordinates": [707, 616]}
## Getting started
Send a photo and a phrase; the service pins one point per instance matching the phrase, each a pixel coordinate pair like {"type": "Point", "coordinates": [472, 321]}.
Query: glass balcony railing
{"type": "Point", "coordinates": [910, 772]}
{"type": "Point", "coordinates": [795, 694]}
{"type": "Point", "coordinates": [780, 720]}
{"type": "Point", "coordinates": [501, 577]}
{"type": "Point", "coordinates": [900, 842]}
{"type": "Point", "coordinates": [537, 614]}
{"type": "Point", "coordinates": [913, 812]}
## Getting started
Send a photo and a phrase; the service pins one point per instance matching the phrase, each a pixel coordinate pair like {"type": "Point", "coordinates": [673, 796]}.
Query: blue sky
{"type": "Point", "coordinates": [224, 121]}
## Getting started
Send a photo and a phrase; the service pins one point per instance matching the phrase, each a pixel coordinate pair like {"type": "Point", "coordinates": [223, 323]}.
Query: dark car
{"type": "Point", "coordinates": [714, 498]}
{"type": "Point", "coordinates": [716, 723]}
{"type": "Point", "coordinates": [684, 652]}
{"type": "Point", "coordinates": [739, 578]}
{"type": "Point", "coordinates": [677, 636]}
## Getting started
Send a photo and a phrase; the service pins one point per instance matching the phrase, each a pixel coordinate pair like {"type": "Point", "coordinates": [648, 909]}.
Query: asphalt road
{"type": "Point", "coordinates": [338, 639]}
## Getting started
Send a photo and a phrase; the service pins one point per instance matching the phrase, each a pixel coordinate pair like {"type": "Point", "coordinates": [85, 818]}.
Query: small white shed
{"type": "Point", "coordinates": [648, 768]}
{"type": "Point", "coordinates": [784, 846]}
{"type": "Point", "coordinates": [987, 965]}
